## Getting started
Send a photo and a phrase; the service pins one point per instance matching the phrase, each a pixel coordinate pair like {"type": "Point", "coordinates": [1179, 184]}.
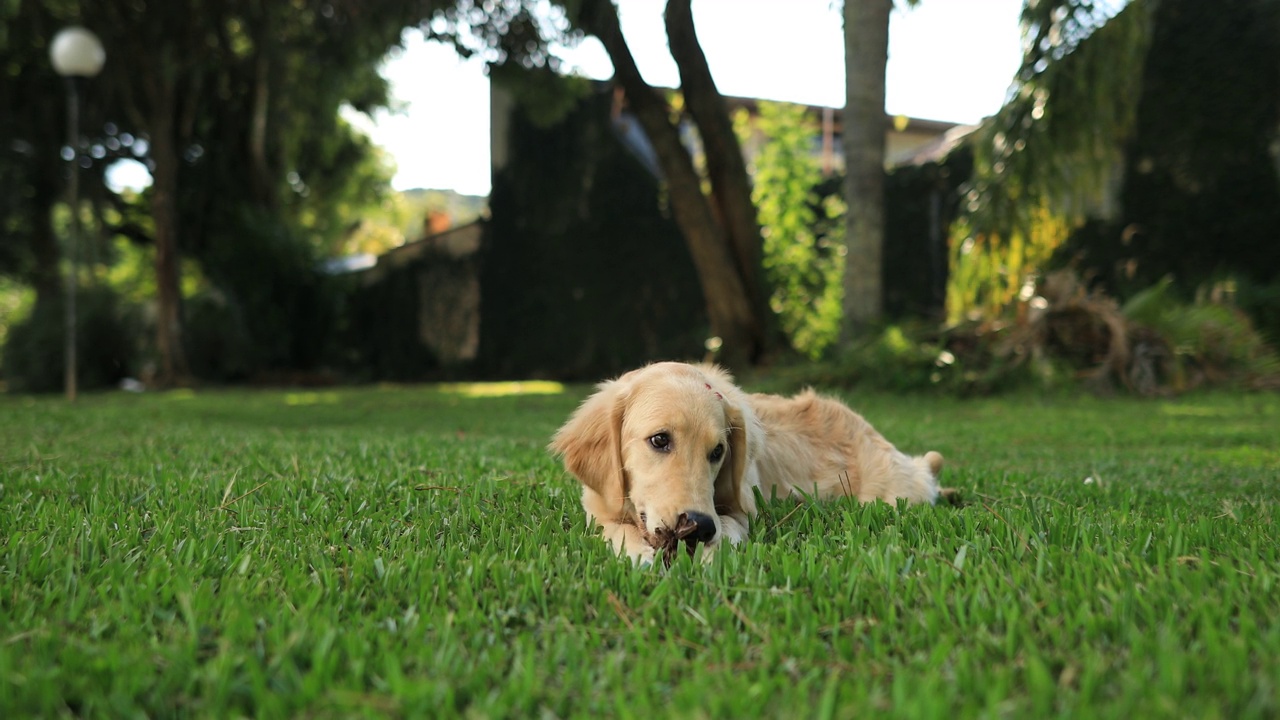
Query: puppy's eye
{"type": "Point", "coordinates": [661, 442]}
{"type": "Point", "coordinates": [717, 453]}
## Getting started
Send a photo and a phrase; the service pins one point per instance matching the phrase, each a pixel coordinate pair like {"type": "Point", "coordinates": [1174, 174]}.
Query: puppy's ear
{"type": "Point", "coordinates": [591, 443]}
{"type": "Point", "coordinates": [729, 496]}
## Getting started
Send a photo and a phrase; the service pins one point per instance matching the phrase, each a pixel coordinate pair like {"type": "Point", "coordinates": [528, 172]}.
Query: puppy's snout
{"type": "Point", "coordinates": [704, 526]}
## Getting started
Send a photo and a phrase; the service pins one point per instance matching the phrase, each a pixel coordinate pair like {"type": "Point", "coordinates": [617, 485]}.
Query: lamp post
{"type": "Point", "coordinates": [76, 53]}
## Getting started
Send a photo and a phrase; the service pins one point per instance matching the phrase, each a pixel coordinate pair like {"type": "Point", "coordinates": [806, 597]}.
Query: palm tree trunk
{"type": "Point", "coordinates": [866, 37]}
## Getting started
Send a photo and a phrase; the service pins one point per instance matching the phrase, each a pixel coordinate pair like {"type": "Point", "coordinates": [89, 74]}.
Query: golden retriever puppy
{"type": "Point", "coordinates": [674, 445]}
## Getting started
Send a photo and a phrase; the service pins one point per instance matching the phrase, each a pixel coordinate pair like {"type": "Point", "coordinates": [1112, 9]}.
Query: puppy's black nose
{"type": "Point", "coordinates": [704, 529]}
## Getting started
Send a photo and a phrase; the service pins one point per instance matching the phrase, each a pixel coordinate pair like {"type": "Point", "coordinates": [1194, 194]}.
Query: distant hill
{"type": "Point", "coordinates": [460, 208]}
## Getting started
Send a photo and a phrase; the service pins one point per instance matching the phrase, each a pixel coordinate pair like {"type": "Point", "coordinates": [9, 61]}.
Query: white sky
{"type": "Point", "coordinates": [948, 60]}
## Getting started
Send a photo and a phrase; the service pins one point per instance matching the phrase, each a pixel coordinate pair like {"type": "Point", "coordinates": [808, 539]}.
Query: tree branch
{"type": "Point", "coordinates": [731, 313]}
{"type": "Point", "coordinates": [132, 232]}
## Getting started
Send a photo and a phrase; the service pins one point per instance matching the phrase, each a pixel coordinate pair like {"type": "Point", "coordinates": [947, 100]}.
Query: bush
{"type": "Point", "coordinates": [1261, 302]}
{"type": "Point", "coordinates": [107, 341]}
{"type": "Point", "coordinates": [802, 231]}
{"type": "Point", "coordinates": [1067, 337]}
{"type": "Point", "coordinates": [217, 342]}
{"type": "Point", "coordinates": [1211, 341]}
{"type": "Point", "coordinates": [917, 358]}
{"type": "Point", "coordinates": [272, 310]}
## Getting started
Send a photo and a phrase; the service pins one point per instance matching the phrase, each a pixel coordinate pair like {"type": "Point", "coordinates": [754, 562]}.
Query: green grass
{"type": "Point", "coordinates": [415, 552]}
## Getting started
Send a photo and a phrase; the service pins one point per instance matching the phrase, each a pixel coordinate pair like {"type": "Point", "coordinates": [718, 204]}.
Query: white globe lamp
{"type": "Point", "coordinates": [76, 53]}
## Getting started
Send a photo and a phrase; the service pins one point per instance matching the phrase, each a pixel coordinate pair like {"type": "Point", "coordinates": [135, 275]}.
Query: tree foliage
{"type": "Point", "coordinates": [523, 32]}
{"type": "Point", "coordinates": [33, 127]}
{"type": "Point", "coordinates": [1201, 193]}
{"type": "Point", "coordinates": [1050, 156]}
{"type": "Point", "coordinates": [1146, 138]}
{"type": "Point", "coordinates": [236, 104]}
{"type": "Point", "coordinates": [1057, 141]}
{"type": "Point", "coordinates": [1147, 143]}
{"type": "Point", "coordinates": [283, 172]}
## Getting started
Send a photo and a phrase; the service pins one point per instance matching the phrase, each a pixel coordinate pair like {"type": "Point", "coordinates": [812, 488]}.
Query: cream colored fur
{"type": "Point", "coordinates": [803, 446]}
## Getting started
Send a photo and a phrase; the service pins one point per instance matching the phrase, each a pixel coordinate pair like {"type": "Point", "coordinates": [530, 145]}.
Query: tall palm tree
{"type": "Point", "coordinates": [866, 42]}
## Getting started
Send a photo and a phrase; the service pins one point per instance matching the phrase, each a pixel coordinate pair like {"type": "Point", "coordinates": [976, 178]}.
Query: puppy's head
{"type": "Point", "coordinates": [666, 441]}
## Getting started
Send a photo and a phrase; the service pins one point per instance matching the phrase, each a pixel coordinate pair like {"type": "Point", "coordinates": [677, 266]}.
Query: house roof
{"type": "Point", "coordinates": [938, 148]}
{"type": "Point", "coordinates": [937, 138]}
{"type": "Point", "coordinates": [899, 122]}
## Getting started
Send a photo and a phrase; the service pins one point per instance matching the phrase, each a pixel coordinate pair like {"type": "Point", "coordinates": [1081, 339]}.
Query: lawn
{"type": "Point", "coordinates": [414, 552]}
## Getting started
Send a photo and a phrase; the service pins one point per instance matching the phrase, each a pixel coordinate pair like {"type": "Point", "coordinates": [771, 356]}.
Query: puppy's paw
{"type": "Point", "coordinates": [733, 530]}
{"type": "Point", "coordinates": [642, 557]}
{"type": "Point", "coordinates": [629, 540]}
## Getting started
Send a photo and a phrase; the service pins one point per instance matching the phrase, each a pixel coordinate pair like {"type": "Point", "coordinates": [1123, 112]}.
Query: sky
{"type": "Point", "coordinates": [948, 60]}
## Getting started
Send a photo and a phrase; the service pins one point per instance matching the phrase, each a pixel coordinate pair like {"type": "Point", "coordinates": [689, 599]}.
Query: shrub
{"type": "Point", "coordinates": [273, 310]}
{"type": "Point", "coordinates": [107, 341]}
{"type": "Point", "coordinates": [1210, 341]}
{"type": "Point", "coordinates": [917, 358]}
{"type": "Point", "coordinates": [1067, 337]}
{"type": "Point", "coordinates": [217, 342]}
{"type": "Point", "coordinates": [803, 243]}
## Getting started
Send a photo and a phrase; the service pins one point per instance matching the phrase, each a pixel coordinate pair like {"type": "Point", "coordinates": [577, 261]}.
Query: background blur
{"type": "Point", "coordinates": [321, 191]}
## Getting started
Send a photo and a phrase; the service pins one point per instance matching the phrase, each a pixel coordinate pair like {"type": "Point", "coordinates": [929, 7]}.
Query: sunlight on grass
{"type": "Point", "coordinates": [502, 389]}
{"type": "Point", "coordinates": [1195, 411]}
{"type": "Point", "coordinates": [1246, 456]}
{"type": "Point", "coordinates": [180, 394]}
{"type": "Point", "coordinates": [311, 398]}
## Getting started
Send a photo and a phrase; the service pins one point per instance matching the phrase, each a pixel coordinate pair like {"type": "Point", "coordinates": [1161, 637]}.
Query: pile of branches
{"type": "Point", "coordinates": [1153, 345]}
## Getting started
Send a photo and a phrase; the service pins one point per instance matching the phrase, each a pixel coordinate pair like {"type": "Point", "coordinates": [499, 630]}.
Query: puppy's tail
{"type": "Point", "coordinates": [933, 461]}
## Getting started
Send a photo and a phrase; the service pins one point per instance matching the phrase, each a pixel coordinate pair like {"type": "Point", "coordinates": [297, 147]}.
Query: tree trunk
{"type": "Point", "coordinates": [726, 166]}
{"type": "Point", "coordinates": [45, 277]}
{"type": "Point", "coordinates": [164, 211]}
{"type": "Point", "coordinates": [866, 41]}
{"type": "Point", "coordinates": [260, 168]}
{"type": "Point", "coordinates": [734, 318]}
